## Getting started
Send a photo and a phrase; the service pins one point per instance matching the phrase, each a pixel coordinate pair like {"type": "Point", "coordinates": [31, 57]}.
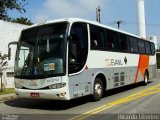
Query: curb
{"type": "Point", "coordinates": [158, 70]}
{"type": "Point", "coordinates": [7, 97]}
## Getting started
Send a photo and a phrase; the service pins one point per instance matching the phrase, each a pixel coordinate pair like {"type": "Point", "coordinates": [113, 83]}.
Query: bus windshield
{"type": "Point", "coordinates": [41, 52]}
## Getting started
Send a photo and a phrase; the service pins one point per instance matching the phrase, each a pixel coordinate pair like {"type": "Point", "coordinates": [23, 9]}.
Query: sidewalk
{"type": "Point", "coordinates": [7, 97]}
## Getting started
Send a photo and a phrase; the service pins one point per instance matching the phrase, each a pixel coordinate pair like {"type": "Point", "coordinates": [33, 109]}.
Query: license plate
{"type": "Point", "coordinates": [34, 94]}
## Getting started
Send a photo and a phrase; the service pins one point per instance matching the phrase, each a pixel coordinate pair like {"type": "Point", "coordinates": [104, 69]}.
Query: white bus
{"type": "Point", "coordinates": [69, 58]}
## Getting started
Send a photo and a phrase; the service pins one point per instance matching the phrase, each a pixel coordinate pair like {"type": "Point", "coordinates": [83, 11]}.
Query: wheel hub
{"type": "Point", "coordinates": [98, 89]}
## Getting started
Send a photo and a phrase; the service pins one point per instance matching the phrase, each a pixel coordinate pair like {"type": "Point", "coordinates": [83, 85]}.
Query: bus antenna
{"type": "Point", "coordinates": [119, 22]}
{"type": "Point", "coordinates": [98, 14]}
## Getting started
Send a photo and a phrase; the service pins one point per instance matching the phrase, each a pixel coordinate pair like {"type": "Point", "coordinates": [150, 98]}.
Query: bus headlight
{"type": "Point", "coordinates": [57, 85]}
{"type": "Point", "coordinates": [18, 86]}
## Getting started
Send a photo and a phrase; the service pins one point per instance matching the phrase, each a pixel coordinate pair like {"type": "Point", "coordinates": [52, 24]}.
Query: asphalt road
{"type": "Point", "coordinates": [116, 105]}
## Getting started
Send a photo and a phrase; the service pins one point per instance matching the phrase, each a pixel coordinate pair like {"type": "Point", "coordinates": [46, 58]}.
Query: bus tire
{"type": "Point", "coordinates": [146, 79]}
{"type": "Point", "coordinates": [97, 89]}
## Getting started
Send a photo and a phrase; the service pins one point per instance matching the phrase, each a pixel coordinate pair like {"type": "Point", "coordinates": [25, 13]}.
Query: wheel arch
{"type": "Point", "coordinates": [103, 78]}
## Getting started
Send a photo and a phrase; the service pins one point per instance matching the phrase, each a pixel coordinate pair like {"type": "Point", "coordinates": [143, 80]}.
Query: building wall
{"type": "Point", "coordinates": [0, 76]}
{"type": "Point", "coordinates": [155, 40]}
{"type": "Point", "coordinates": [9, 32]}
{"type": "Point", "coordinates": [158, 42]}
{"type": "Point", "coordinates": [8, 78]}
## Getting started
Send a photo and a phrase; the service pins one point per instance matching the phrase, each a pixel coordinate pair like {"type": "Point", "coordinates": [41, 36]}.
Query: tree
{"type": "Point", "coordinates": [6, 5]}
{"type": "Point", "coordinates": [22, 20]}
{"type": "Point", "coordinates": [3, 60]}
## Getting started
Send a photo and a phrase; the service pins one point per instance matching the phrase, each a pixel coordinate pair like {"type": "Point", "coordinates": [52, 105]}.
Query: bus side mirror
{"type": "Point", "coordinates": [9, 53]}
{"type": "Point", "coordinates": [9, 49]}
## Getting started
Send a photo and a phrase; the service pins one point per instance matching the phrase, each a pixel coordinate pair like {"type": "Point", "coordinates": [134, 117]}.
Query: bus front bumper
{"type": "Point", "coordinates": [52, 94]}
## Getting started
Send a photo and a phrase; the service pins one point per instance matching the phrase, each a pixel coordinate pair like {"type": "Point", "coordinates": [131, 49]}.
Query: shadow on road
{"type": "Point", "coordinates": [62, 105]}
{"type": "Point", "coordinates": [47, 104]}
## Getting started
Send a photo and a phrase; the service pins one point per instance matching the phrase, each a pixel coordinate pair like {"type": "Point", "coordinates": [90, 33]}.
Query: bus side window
{"type": "Point", "coordinates": [97, 37]}
{"type": "Point", "coordinates": [141, 46]}
{"type": "Point", "coordinates": [109, 40]}
{"type": "Point", "coordinates": [133, 45]}
{"type": "Point", "coordinates": [123, 42]}
{"type": "Point", "coordinates": [94, 42]}
{"type": "Point", "coordinates": [152, 49]}
{"type": "Point", "coordinates": [75, 48]}
{"type": "Point", "coordinates": [112, 40]}
{"type": "Point", "coordinates": [148, 48]}
{"type": "Point", "coordinates": [78, 47]}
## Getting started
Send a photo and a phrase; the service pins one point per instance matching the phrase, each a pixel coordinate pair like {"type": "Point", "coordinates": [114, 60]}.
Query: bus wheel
{"type": "Point", "coordinates": [146, 79]}
{"type": "Point", "coordinates": [98, 89]}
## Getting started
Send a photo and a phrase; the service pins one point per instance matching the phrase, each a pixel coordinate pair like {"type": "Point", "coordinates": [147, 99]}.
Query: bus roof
{"type": "Point", "coordinates": [71, 20]}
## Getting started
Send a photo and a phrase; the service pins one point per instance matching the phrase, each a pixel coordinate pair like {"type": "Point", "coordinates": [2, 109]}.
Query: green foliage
{"type": "Point", "coordinates": [22, 20]}
{"type": "Point", "coordinates": [7, 91]}
{"type": "Point", "coordinates": [6, 5]}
